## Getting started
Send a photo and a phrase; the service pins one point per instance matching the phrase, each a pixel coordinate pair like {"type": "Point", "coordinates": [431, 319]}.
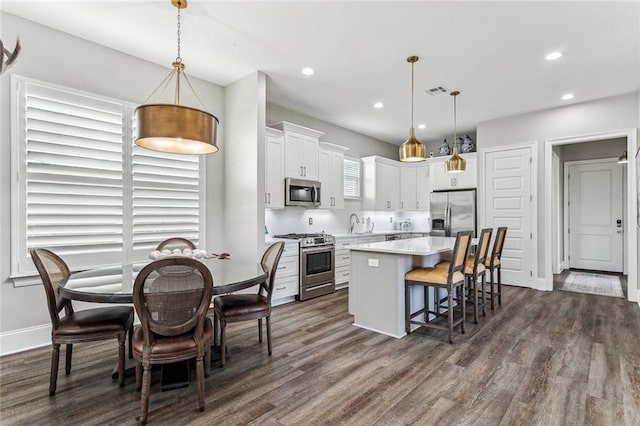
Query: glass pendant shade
{"type": "Point", "coordinates": [412, 149]}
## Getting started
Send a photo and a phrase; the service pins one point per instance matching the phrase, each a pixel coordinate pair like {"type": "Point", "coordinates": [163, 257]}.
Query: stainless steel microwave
{"type": "Point", "coordinates": [299, 192]}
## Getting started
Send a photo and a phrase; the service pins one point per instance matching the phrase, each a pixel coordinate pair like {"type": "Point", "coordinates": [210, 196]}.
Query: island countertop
{"type": "Point", "coordinates": [424, 246]}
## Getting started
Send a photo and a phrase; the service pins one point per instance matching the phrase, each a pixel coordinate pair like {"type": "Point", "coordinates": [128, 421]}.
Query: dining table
{"type": "Point", "coordinates": [114, 284]}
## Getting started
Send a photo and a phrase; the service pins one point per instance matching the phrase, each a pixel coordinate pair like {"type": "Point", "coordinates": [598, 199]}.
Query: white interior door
{"type": "Point", "coordinates": [595, 216]}
{"type": "Point", "coordinates": [508, 202]}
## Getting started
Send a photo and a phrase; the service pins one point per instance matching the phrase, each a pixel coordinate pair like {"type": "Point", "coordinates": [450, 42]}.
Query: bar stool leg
{"type": "Point", "coordinates": [464, 309]}
{"type": "Point", "coordinates": [450, 314]}
{"type": "Point", "coordinates": [493, 293]}
{"type": "Point", "coordinates": [484, 295]}
{"type": "Point", "coordinates": [500, 285]}
{"type": "Point", "coordinates": [407, 307]}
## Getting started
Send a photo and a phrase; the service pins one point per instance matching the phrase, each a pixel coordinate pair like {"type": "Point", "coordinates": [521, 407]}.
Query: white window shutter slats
{"type": "Point", "coordinates": [351, 173]}
{"type": "Point", "coordinates": [166, 201]}
{"type": "Point", "coordinates": [78, 171]}
{"type": "Point", "coordinates": [74, 169]}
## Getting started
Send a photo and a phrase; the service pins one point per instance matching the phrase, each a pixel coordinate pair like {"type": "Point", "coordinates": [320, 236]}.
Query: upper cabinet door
{"type": "Point", "coordinates": [309, 157]}
{"type": "Point", "coordinates": [465, 180]}
{"type": "Point", "coordinates": [292, 153]}
{"type": "Point", "coordinates": [423, 187]}
{"type": "Point", "coordinates": [274, 172]}
{"type": "Point", "coordinates": [408, 190]}
{"type": "Point", "coordinates": [301, 150]}
{"type": "Point", "coordinates": [331, 173]}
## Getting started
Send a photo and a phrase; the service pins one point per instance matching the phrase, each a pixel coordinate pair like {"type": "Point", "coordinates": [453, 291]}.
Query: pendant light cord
{"type": "Point", "coordinates": [179, 58]}
{"type": "Point", "coordinates": [412, 94]}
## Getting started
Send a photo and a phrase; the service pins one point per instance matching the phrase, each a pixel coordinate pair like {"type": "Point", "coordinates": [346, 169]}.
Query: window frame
{"type": "Point", "coordinates": [23, 271]}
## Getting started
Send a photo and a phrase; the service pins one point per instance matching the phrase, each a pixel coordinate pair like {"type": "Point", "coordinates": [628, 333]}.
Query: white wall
{"type": "Point", "coordinates": [598, 116]}
{"type": "Point", "coordinates": [244, 168]}
{"type": "Point", "coordinates": [56, 57]}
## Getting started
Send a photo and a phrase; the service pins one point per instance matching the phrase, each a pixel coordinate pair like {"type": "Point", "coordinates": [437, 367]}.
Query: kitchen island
{"type": "Point", "coordinates": [376, 287]}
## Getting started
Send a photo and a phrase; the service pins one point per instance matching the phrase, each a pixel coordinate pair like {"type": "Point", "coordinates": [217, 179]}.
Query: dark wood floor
{"type": "Point", "coordinates": [542, 358]}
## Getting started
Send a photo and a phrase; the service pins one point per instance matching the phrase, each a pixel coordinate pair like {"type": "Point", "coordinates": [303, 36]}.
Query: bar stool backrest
{"type": "Point", "coordinates": [498, 244]}
{"type": "Point", "coordinates": [460, 252]}
{"type": "Point", "coordinates": [482, 249]}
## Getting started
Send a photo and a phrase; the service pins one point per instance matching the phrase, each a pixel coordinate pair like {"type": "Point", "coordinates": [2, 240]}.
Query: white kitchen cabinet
{"type": "Point", "coordinates": [331, 175]}
{"type": "Point", "coordinates": [381, 184]}
{"type": "Point", "coordinates": [287, 275]}
{"type": "Point", "coordinates": [467, 179]}
{"type": "Point", "coordinates": [300, 150]}
{"type": "Point", "coordinates": [414, 187]}
{"type": "Point", "coordinates": [274, 169]}
{"type": "Point", "coordinates": [343, 255]}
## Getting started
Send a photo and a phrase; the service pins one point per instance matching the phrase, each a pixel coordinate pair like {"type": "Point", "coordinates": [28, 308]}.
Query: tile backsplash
{"type": "Point", "coordinates": [296, 219]}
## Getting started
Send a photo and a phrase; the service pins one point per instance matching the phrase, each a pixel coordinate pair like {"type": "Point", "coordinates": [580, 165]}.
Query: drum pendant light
{"type": "Point", "coordinates": [455, 164]}
{"type": "Point", "coordinates": [412, 149]}
{"type": "Point", "coordinates": [173, 127]}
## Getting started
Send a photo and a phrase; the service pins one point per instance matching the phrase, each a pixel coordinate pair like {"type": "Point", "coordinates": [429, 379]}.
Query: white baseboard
{"type": "Point", "coordinates": [542, 284]}
{"type": "Point", "coordinates": [24, 339]}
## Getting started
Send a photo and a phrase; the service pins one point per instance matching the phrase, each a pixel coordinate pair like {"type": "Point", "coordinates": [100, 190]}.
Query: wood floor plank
{"type": "Point", "coordinates": [548, 358]}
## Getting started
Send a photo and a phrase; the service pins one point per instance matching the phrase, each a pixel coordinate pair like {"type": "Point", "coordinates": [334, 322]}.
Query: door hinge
{"type": "Point", "coordinates": [530, 197]}
{"type": "Point", "coordinates": [568, 203]}
{"type": "Point", "coordinates": [531, 235]}
{"type": "Point", "coordinates": [530, 160]}
{"type": "Point", "coordinates": [531, 273]}
{"type": "Point", "coordinates": [568, 231]}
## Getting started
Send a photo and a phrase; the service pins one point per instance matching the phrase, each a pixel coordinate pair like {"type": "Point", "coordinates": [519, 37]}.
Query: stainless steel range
{"type": "Point", "coordinates": [317, 264]}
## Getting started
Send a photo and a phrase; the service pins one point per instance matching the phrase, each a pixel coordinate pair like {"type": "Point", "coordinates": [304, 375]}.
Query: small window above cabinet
{"type": "Point", "coordinates": [331, 176]}
{"type": "Point", "coordinates": [300, 150]}
{"type": "Point", "coordinates": [443, 180]}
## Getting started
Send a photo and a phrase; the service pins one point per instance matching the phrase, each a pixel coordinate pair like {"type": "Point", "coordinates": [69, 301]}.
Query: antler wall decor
{"type": "Point", "coordinates": [11, 57]}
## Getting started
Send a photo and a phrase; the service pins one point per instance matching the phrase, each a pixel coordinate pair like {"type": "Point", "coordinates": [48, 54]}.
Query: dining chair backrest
{"type": "Point", "coordinates": [498, 244]}
{"type": "Point", "coordinates": [53, 273]}
{"type": "Point", "coordinates": [269, 262]}
{"type": "Point", "coordinates": [172, 296]}
{"type": "Point", "coordinates": [460, 252]}
{"type": "Point", "coordinates": [176, 243]}
{"type": "Point", "coordinates": [482, 249]}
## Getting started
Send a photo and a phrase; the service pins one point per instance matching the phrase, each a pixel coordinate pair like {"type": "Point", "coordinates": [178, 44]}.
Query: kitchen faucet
{"type": "Point", "coordinates": [352, 224]}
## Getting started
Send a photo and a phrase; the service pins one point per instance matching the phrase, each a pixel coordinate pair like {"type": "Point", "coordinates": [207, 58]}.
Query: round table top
{"type": "Point", "coordinates": [106, 284]}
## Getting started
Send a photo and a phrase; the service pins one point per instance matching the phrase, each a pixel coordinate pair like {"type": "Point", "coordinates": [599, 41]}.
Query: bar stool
{"type": "Point", "coordinates": [494, 264]}
{"type": "Point", "coordinates": [450, 279]}
{"type": "Point", "coordinates": [475, 268]}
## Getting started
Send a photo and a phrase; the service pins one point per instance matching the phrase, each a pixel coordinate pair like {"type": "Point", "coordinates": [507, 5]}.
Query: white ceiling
{"type": "Point", "coordinates": [493, 52]}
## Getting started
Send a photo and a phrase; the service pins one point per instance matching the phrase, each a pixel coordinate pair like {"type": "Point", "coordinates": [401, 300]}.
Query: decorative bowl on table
{"type": "Point", "coordinates": [199, 254]}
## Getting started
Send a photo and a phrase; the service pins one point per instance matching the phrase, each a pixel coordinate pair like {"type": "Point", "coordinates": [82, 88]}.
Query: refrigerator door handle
{"type": "Point", "coordinates": [447, 220]}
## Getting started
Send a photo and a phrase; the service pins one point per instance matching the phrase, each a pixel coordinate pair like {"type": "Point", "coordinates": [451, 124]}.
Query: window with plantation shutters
{"type": "Point", "coordinates": [166, 198]}
{"type": "Point", "coordinates": [351, 173]}
{"type": "Point", "coordinates": [82, 189]}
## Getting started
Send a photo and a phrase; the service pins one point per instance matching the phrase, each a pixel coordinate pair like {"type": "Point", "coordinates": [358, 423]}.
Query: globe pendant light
{"type": "Point", "coordinates": [173, 127]}
{"type": "Point", "coordinates": [455, 164]}
{"type": "Point", "coordinates": [412, 149]}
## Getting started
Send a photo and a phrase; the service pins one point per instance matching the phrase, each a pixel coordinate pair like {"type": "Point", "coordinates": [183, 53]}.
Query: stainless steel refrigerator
{"type": "Point", "coordinates": [453, 211]}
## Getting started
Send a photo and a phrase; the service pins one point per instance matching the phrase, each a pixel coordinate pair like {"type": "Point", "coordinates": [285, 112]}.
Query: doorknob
{"type": "Point", "coordinates": [619, 231]}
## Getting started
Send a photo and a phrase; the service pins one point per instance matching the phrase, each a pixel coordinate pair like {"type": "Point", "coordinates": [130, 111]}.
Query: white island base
{"type": "Point", "coordinates": [376, 286]}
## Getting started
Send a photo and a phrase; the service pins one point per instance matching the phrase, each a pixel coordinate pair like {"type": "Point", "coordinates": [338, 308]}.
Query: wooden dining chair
{"type": "Point", "coordinates": [475, 270]}
{"type": "Point", "coordinates": [176, 243]}
{"type": "Point", "coordinates": [171, 297]}
{"type": "Point", "coordinates": [494, 264]}
{"type": "Point", "coordinates": [75, 327]}
{"type": "Point", "coordinates": [244, 307]}
{"type": "Point", "coordinates": [449, 279]}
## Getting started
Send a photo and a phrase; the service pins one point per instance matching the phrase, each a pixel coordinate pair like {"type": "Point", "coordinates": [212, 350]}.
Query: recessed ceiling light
{"type": "Point", "coordinates": [378, 105]}
{"type": "Point", "coordinates": [422, 126]}
{"type": "Point", "coordinates": [307, 71]}
{"type": "Point", "coordinates": [553, 56]}
{"type": "Point", "coordinates": [567, 96]}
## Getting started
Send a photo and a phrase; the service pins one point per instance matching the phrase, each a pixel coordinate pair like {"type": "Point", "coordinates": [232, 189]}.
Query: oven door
{"type": "Point", "coordinates": [317, 265]}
